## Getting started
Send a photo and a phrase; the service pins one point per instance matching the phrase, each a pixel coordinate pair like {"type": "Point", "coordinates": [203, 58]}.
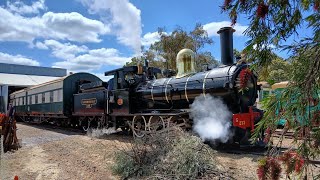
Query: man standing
{"type": "Point", "coordinates": [11, 110]}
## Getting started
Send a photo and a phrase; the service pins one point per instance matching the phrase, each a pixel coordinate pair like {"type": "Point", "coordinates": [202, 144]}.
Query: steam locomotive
{"type": "Point", "coordinates": [136, 101]}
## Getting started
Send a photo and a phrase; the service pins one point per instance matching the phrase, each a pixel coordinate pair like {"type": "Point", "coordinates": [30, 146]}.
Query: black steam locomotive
{"type": "Point", "coordinates": [135, 100]}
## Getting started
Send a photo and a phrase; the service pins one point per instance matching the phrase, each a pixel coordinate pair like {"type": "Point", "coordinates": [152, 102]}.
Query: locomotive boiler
{"type": "Point", "coordinates": [226, 82]}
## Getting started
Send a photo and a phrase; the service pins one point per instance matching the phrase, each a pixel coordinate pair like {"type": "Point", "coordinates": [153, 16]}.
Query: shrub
{"type": "Point", "coordinates": [189, 158]}
{"type": "Point", "coordinates": [124, 166]}
{"type": "Point", "coordinates": [171, 155]}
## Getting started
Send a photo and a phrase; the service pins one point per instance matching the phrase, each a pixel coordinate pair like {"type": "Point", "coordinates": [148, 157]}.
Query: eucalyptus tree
{"type": "Point", "coordinates": [163, 53]}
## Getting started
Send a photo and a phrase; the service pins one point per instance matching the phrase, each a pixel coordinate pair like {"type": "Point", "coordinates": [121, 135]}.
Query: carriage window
{"type": "Point", "coordinates": [51, 96]}
{"type": "Point", "coordinates": [33, 100]}
{"type": "Point", "coordinates": [60, 98]}
{"type": "Point", "coordinates": [36, 99]}
{"type": "Point", "coordinates": [43, 98]}
{"type": "Point", "coordinates": [40, 98]}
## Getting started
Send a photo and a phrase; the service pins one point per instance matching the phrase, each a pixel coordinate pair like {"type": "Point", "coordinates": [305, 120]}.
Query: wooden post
{"type": "Point", "coordinates": [1, 142]}
{"type": "Point", "coordinates": [1, 151]}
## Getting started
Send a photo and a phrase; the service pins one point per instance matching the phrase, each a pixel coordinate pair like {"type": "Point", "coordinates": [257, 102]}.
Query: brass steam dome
{"type": "Point", "coordinates": [185, 63]}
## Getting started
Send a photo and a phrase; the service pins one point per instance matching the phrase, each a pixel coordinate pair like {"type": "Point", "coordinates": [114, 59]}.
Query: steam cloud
{"type": "Point", "coordinates": [211, 118]}
{"type": "Point", "coordinates": [100, 132]}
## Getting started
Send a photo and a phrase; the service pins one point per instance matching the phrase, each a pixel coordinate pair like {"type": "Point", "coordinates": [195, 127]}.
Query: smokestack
{"type": "Point", "coordinates": [226, 43]}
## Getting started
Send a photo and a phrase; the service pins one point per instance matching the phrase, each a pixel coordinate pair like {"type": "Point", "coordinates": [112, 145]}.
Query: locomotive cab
{"type": "Point", "coordinates": [124, 81]}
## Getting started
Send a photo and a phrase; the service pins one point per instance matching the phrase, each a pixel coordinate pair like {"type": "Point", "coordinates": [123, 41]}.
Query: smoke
{"type": "Point", "coordinates": [211, 118]}
{"type": "Point", "coordinates": [100, 132]}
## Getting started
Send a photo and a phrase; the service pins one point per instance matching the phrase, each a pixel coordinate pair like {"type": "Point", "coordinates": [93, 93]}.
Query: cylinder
{"type": "Point", "coordinates": [226, 43]}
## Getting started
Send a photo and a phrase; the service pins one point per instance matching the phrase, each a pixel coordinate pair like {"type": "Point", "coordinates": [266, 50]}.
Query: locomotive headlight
{"type": "Point", "coordinates": [120, 101]}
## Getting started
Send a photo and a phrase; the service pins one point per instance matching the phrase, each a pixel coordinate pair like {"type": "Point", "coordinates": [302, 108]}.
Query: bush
{"type": "Point", "coordinates": [171, 155]}
{"type": "Point", "coordinates": [188, 158]}
{"type": "Point", "coordinates": [124, 166]}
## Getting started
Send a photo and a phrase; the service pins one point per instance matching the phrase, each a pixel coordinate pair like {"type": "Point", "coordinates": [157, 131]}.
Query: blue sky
{"type": "Point", "coordinates": [99, 35]}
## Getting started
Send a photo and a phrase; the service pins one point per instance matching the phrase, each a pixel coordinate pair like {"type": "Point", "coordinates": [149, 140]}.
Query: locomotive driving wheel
{"type": "Point", "coordinates": [155, 123]}
{"type": "Point", "coordinates": [86, 124]}
{"type": "Point", "coordinates": [139, 126]}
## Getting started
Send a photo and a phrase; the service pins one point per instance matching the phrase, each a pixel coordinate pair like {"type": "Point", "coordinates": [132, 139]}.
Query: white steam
{"type": "Point", "coordinates": [100, 132]}
{"type": "Point", "coordinates": [211, 118]}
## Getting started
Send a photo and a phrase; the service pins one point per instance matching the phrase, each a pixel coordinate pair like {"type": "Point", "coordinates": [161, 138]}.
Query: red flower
{"type": "Point", "coordinates": [316, 6]}
{"type": "Point", "coordinates": [268, 135]}
{"type": "Point", "coordinates": [299, 164]}
{"type": "Point", "coordinates": [245, 75]}
{"type": "Point", "coordinates": [269, 168]}
{"type": "Point", "coordinates": [293, 161]}
{"type": "Point", "coordinates": [266, 139]}
{"type": "Point", "coordinates": [262, 10]}
{"type": "Point", "coordinates": [268, 131]}
{"type": "Point", "coordinates": [275, 169]}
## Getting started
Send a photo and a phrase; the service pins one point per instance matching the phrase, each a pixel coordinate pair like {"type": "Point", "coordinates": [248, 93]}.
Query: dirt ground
{"type": "Point", "coordinates": [49, 153]}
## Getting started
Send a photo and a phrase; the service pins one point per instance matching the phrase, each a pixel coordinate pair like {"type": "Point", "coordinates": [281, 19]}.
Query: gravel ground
{"type": "Point", "coordinates": [49, 153]}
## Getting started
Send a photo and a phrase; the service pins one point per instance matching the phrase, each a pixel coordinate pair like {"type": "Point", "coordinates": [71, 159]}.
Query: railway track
{"type": "Point", "coordinates": [48, 126]}
{"type": "Point", "coordinates": [280, 132]}
{"type": "Point", "coordinates": [259, 152]}
{"type": "Point", "coordinates": [290, 134]}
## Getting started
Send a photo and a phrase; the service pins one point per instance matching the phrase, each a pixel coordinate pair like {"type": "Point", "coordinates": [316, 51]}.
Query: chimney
{"type": "Point", "coordinates": [226, 43]}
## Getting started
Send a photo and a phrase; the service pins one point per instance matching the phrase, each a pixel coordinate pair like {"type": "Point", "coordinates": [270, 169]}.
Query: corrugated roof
{"type": "Point", "coordinates": [24, 80]}
{"type": "Point", "coordinates": [49, 82]}
{"type": "Point", "coordinates": [32, 70]}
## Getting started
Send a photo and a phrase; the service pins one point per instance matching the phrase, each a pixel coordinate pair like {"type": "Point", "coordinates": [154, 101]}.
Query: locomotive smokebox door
{"type": "Point", "coordinates": [121, 102]}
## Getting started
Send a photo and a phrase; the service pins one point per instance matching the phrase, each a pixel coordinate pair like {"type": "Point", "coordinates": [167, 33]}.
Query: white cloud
{"type": "Point", "coordinates": [21, 8]}
{"type": "Point", "coordinates": [213, 27]}
{"type": "Point", "coordinates": [63, 51]}
{"type": "Point", "coordinates": [40, 45]}
{"type": "Point", "coordinates": [65, 26]}
{"type": "Point", "coordinates": [17, 59]}
{"type": "Point", "coordinates": [73, 26]}
{"type": "Point", "coordinates": [103, 77]}
{"type": "Point", "coordinates": [81, 58]}
{"type": "Point", "coordinates": [269, 46]}
{"type": "Point", "coordinates": [150, 38]}
{"type": "Point", "coordinates": [122, 16]}
{"type": "Point", "coordinates": [93, 60]}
